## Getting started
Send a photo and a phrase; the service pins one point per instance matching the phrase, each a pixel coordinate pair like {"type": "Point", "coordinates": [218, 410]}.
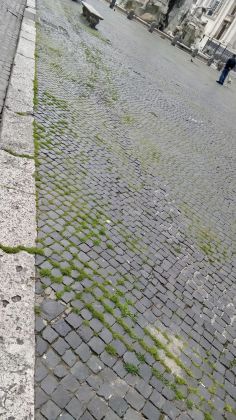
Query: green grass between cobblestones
{"type": "Point", "coordinates": [93, 227]}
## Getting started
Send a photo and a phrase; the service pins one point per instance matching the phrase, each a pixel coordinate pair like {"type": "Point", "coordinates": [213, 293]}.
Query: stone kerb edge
{"type": "Point", "coordinates": [18, 232]}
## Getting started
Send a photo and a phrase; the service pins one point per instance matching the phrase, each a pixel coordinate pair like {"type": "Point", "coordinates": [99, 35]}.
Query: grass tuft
{"type": "Point", "coordinates": [111, 350]}
{"type": "Point", "coordinates": [130, 368]}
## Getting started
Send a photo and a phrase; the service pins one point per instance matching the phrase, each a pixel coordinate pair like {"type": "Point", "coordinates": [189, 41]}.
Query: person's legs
{"type": "Point", "coordinates": [223, 76]}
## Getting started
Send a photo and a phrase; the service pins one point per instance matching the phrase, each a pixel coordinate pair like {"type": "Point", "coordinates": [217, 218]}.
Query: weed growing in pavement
{"type": "Point", "coordinates": [131, 368]}
{"type": "Point", "coordinates": [111, 350]}
{"type": "Point", "coordinates": [45, 272]}
{"type": "Point", "coordinates": [180, 381]}
{"type": "Point", "coordinates": [208, 416]}
{"type": "Point", "coordinates": [189, 404]}
{"type": "Point", "coordinates": [179, 395]}
{"type": "Point", "coordinates": [66, 271]}
{"type": "Point", "coordinates": [21, 248]}
{"type": "Point", "coordinates": [37, 310]}
{"type": "Point", "coordinates": [59, 294]}
{"type": "Point", "coordinates": [228, 408]}
{"type": "Point", "coordinates": [141, 357]}
{"type": "Point", "coordinates": [20, 155]}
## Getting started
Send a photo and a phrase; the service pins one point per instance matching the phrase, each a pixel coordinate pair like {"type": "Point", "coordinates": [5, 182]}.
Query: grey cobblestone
{"type": "Point", "coordinates": [135, 215]}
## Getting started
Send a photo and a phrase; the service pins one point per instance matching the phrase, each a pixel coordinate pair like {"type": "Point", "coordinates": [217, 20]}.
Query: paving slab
{"type": "Point", "coordinates": [17, 276]}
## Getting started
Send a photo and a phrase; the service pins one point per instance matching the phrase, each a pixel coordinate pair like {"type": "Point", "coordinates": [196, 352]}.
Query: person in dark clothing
{"type": "Point", "coordinates": [112, 4]}
{"type": "Point", "coordinates": [230, 65]}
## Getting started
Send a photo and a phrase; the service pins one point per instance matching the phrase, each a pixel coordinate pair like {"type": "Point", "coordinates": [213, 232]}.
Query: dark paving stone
{"type": "Point", "coordinates": [61, 396]}
{"type": "Point", "coordinates": [83, 352]}
{"type": "Point", "coordinates": [51, 359]}
{"type": "Point", "coordinates": [74, 408]}
{"type": "Point", "coordinates": [150, 411]}
{"type": "Point", "coordinates": [41, 346]}
{"type": "Point", "coordinates": [70, 383]}
{"type": "Point", "coordinates": [135, 399]}
{"type": "Point", "coordinates": [80, 371]}
{"type": "Point", "coordinates": [40, 397]}
{"type": "Point", "coordinates": [86, 416]}
{"type": "Point", "coordinates": [95, 364]}
{"type": "Point", "coordinates": [118, 405]}
{"type": "Point", "coordinates": [48, 384]}
{"type": "Point", "coordinates": [69, 358]}
{"type": "Point", "coordinates": [60, 346]}
{"type": "Point", "coordinates": [62, 327]}
{"type": "Point", "coordinates": [50, 410]}
{"type": "Point", "coordinates": [39, 324]}
{"type": "Point", "coordinates": [97, 408]}
{"type": "Point", "coordinates": [73, 339]}
{"type": "Point", "coordinates": [97, 345]}
{"type": "Point", "coordinates": [40, 371]}
{"type": "Point", "coordinates": [60, 371]}
{"type": "Point", "coordinates": [51, 309]}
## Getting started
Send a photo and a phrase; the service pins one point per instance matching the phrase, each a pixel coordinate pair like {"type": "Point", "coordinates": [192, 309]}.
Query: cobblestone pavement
{"type": "Point", "coordinates": [135, 175]}
{"type": "Point", "coordinates": [10, 20]}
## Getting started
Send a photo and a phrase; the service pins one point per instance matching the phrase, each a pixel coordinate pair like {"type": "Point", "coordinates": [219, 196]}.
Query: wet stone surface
{"type": "Point", "coordinates": [136, 287]}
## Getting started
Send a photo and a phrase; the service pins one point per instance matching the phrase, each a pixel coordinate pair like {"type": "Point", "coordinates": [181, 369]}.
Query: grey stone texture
{"type": "Point", "coordinates": [135, 215]}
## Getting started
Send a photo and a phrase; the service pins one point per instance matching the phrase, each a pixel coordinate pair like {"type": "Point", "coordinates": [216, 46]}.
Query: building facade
{"type": "Point", "coordinates": [221, 23]}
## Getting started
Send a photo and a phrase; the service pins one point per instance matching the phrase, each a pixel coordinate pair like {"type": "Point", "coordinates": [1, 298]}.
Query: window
{"type": "Point", "coordinates": [214, 7]}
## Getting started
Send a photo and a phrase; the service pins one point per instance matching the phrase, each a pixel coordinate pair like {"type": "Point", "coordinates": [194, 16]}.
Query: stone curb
{"type": "Point", "coordinates": [18, 231]}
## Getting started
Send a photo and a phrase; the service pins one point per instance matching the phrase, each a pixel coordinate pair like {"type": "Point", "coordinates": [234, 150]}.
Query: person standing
{"type": "Point", "coordinates": [112, 4]}
{"type": "Point", "coordinates": [230, 65]}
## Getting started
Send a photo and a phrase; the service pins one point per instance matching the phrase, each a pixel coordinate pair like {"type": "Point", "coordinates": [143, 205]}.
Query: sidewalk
{"type": "Point", "coordinates": [17, 218]}
{"type": "Point", "coordinates": [11, 12]}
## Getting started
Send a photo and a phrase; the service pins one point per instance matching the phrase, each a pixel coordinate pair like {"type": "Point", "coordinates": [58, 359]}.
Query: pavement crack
{"type": "Point", "coordinates": [20, 155]}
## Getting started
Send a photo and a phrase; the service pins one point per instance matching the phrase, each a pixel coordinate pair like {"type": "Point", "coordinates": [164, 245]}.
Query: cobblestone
{"type": "Point", "coordinates": [135, 216]}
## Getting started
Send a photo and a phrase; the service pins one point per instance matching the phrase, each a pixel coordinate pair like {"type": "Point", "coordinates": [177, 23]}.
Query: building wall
{"type": "Point", "coordinates": [217, 27]}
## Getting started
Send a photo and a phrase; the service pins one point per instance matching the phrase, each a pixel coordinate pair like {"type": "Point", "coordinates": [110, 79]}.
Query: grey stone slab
{"type": "Point", "coordinates": [40, 371]}
{"type": "Point", "coordinates": [40, 397]}
{"type": "Point", "coordinates": [74, 320]}
{"type": "Point", "coordinates": [50, 410]}
{"type": "Point", "coordinates": [98, 408]}
{"type": "Point", "coordinates": [150, 411]}
{"type": "Point", "coordinates": [17, 201]}
{"type": "Point", "coordinates": [143, 388]}
{"type": "Point", "coordinates": [74, 408]}
{"type": "Point", "coordinates": [135, 399]}
{"type": "Point", "coordinates": [51, 309]}
{"type": "Point", "coordinates": [85, 393]}
{"type": "Point", "coordinates": [49, 334]}
{"type": "Point", "coordinates": [61, 396]}
{"type": "Point", "coordinates": [84, 352]}
{"type": "Point", "coordinates": [51, 359]}
{"type": "Point", "coordinates": [41, 346]}
{"type": "Point", "coordinates": [62, 327]}
{"type": "Point", "coordinates": [60, 371]}
{"type": "Point", "coordinates": [70, 383]}
{"type": "Point", "coordinates": [69, 357]}
{"type": "Point", "coordinates": [132, 415]}
{"type": "Point", "coordinates": [60, 345]}
{"type": "Point", "coordinates": [97, 345]}
{"type": "Point", "coordinates": [95, 364]}
{"type": "Point", "coordinates": [73, 339]}
{"type": "Point", "coordinates": [49, 383]}
{"type": "Point", "coordinates": [80, 371]}
{"type": "Point", "coordinates": [118, 405]}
